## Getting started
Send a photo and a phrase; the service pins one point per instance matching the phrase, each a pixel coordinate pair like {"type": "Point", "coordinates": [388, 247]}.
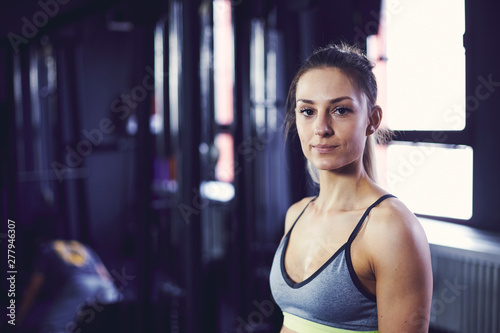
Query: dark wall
{"type": "Point", "coordinates": [482, 54]}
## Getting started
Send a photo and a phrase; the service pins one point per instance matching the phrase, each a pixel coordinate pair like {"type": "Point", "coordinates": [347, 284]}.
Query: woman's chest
{"type": "Point", "coordinates": [311, 246]}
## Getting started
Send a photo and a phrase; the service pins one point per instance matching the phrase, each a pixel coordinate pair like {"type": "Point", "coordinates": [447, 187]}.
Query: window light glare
{"type": "Point", "coordinates": [426, 66]}
{"type": "Point", "coordinates": [432, 179]}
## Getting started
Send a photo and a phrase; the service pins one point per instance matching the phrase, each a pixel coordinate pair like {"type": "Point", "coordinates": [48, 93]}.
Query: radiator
{"type": "Point", "coordinates": [466, 295]}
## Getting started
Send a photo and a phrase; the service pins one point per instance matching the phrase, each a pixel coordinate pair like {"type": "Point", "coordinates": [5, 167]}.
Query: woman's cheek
{"type": "Point", "coordinates": [301, 132]}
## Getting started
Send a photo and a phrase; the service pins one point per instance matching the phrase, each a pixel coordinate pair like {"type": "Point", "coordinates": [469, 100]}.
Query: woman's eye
{"type": "Point", "coordinates": [341, 110]}
{"type": "Point", "coordinates": [307, 112]}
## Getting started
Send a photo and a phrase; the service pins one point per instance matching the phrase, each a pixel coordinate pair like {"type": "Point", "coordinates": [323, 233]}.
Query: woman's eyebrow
{"type": "Point", "coordinates": [332, 101]}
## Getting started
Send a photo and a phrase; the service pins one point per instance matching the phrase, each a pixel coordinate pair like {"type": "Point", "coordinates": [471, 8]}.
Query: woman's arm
{"type": "Point", "coordinates": [402, 267]}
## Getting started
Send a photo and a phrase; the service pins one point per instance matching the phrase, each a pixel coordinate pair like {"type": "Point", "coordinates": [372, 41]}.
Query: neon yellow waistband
{"type": "Point", "coordinates": [302, 325]}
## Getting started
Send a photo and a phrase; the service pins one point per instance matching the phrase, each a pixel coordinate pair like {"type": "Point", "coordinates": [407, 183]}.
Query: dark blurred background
{"type": "Point", "coordinates": [152, 131]}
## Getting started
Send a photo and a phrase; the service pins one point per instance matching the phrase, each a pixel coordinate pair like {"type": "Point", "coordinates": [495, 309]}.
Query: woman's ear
{"type": "Point", "coordinates": [374, 120]}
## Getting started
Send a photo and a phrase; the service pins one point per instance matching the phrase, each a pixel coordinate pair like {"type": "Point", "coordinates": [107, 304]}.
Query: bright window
{"type": "Point", "coordinates": [431, 179]}
{"type": "Point", "coordinates": [426, 66]}
{"type": "Point", "coordinates": [223, 62]}
{"type": "Point", "coordinates": [420, 69]}
{"type": "Point", "coordinates": [224, 170]}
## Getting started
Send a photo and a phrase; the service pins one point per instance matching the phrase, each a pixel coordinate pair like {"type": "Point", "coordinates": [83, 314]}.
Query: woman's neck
{"type": "Point", "coordinates": [344, 191]}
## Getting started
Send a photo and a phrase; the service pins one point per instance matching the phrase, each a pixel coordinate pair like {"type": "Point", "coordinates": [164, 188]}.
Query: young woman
{"type": "Point", "coordinates": [353, 258]}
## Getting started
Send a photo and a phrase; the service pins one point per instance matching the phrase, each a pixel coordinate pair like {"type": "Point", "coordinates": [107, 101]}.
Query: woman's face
{"type": "Point", "coordinates": [332, 119]}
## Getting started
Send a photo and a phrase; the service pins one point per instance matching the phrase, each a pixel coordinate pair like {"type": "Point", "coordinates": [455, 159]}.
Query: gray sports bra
{"type": "Point", "coordinates": [333, 298]}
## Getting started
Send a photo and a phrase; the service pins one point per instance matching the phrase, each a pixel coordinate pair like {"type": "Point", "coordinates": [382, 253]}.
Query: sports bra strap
{"type": "Point", "coordinates": [367, 211]}
{"type": "Point", "coordinates": [302, 212]}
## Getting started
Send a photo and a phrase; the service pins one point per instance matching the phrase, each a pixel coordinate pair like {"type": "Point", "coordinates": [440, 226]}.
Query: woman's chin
{"type": "Point", "coordinates": [334, 167]}
{"type": "Point", "coordinates": [325, 167]}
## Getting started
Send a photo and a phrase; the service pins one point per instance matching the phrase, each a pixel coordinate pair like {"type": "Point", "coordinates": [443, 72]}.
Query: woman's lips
{"type": "Point", "coordinates": [323, 149]}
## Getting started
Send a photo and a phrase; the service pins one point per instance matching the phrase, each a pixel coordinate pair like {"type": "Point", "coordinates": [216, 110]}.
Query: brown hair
{"type": "Point", "coordinates": [352, 62]}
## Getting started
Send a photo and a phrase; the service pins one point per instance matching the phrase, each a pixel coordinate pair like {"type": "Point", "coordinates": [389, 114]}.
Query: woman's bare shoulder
{"type": "Point", "coordinates": [393, 213]}
{"type": "Point", "coordinates": [294, 211]}
{"type": "Point", "coordinates": [392, 225]}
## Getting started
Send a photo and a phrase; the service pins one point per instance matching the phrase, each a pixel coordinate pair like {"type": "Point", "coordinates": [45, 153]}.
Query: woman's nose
{"type": "Point", "coordinates": [322, 126]}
